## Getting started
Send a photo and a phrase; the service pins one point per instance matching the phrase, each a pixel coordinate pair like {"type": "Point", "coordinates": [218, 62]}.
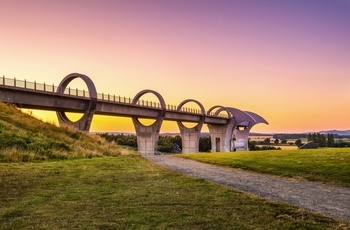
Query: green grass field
{"type": "Point", "coordinates": [57, 178]}
{"type": "Point", "coordinates": [323, 165]}
{"type": "Point", "coordinates": [129, 192]}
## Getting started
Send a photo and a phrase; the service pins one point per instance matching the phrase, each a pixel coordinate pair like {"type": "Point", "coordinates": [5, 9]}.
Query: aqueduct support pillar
{"type": "Point", "coordinates": [148, 136]}
{"type": "Point", "coordinates": [221, 135]}
{"type": "Point", "coordinates": [84, 122]}
{"type": "Point", "coordinates": [190, 136]}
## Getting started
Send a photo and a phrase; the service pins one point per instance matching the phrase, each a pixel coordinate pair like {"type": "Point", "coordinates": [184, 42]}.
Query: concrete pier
{"type": "Point", "coordinates": [148, 136]}
{"type": "Point", "coordinates": [190, 136]}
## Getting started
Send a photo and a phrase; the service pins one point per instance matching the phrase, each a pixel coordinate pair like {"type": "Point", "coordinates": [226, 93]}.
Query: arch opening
{"type": "Point", "coordinates": [76, 87]}
{"type": "Point", "coordinates": [191, 108]}
{"type": "Point", "coordinates": [220, 111]}
{"type": "Point", "coordinates": [83, 122]}
{"type": "Point", "coordinates": [73, 117]}
{"type": "Point", "coordinates": [152, 99]}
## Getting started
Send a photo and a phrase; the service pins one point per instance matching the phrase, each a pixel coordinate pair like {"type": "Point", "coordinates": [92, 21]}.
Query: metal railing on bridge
{"type": "Point", "coordinates": [52, 89]}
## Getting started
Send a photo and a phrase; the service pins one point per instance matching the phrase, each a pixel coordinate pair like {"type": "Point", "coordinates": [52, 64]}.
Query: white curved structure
{"type": "Point", "coordinates": [234, 136]}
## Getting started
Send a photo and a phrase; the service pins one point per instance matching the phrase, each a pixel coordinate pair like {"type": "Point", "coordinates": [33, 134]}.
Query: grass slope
{"type": "Point", "coordinates": [323, 165]}
{"type": "Point", "coordinates": [23, 138]}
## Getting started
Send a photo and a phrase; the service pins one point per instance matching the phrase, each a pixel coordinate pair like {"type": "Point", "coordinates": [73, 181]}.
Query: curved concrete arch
{"type": "Point", "coordinates": [258, 119]}
{"type": "Point", "coordinates": [190, 136]}
{"type": "Point", "coordinates": [220, 108]}
{"type": "Point", "coordinates": [161, 101]}
{"type": "Point", "coordinates": [148, 136]}
{"type": "Point", "coordinates": [191, 100]}
{"type": "Point", "coordinates": [221, 135]}
{"type": "Point", "coordinates": [70, 77]}
{"type": "Point", "coordinates": [240, 116]}
{"type": "Point", "coordinates": [143, 92]}
{"type": "Point", "coordinates": [84, 122]}
{"type": "Point", "coordinates": [200, 106]}
{"type": "Point", "coordinates": [244, 121]}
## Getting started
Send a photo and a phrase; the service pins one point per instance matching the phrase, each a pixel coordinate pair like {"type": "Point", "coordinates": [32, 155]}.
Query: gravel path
{"type": "Point", "coordinates": [325, 199]}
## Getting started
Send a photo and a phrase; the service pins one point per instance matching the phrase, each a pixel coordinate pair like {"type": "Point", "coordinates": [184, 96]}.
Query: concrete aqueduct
{"type": "Point", "coordinates": [229, 133]}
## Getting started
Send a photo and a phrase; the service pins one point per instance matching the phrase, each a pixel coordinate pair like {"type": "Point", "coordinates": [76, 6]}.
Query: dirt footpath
{"type": "Point", "coordinates": [325, 199]}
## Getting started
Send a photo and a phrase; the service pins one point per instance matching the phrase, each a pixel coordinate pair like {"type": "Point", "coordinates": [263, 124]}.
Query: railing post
{"type": "Point", "coordinates": [53, 88]}
{"type": "Point", "coordinates": [44, 87]}
{"type": "Point", "coordinates": [25, 83]}
{"type": "Point", "coordinates": [83, 92]}
{"type": "Point", "coordinates": [34, 85]}
{"type": "Point", "coordinates": [108, 97]}
{"type": "Point", "coordinates": [77, 94]}
{"type": "Point", "coordinates": [14, 82]}
{"type": "Point", "coordinates": [114, 97]}
{"type": "Point", "coordinates": [3, 79]}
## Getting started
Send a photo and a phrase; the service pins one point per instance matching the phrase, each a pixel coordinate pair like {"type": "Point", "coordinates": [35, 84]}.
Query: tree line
{"type": "Point", "coordinates": [321, 140]}
{"type": "Point", "coordinates": [166, 144]}
{"type": "Point", "coordinates": [173, 144]}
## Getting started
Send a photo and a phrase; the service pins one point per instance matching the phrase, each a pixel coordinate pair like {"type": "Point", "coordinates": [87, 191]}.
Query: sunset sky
{"type": "Point", "coordinates": [286, 60]}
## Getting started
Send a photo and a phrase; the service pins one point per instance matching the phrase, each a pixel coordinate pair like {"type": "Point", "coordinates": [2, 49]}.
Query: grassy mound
{"type": "Point", "coordinates": [24, 138]}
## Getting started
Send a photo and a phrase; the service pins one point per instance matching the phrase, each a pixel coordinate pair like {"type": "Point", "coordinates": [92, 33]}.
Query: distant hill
{"type": "Point", "coordinates": [337, 132]}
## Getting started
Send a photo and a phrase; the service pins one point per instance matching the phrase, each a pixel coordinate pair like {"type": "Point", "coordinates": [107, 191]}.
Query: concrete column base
{"type": "Point", "coordinates": [147, 137]}
{"type": "Point", "coordinates": [190, 138]}
{"type": "Point", "coordinates": [221, 136]}
{"type": "Point", "coordinates": [83, 124]}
